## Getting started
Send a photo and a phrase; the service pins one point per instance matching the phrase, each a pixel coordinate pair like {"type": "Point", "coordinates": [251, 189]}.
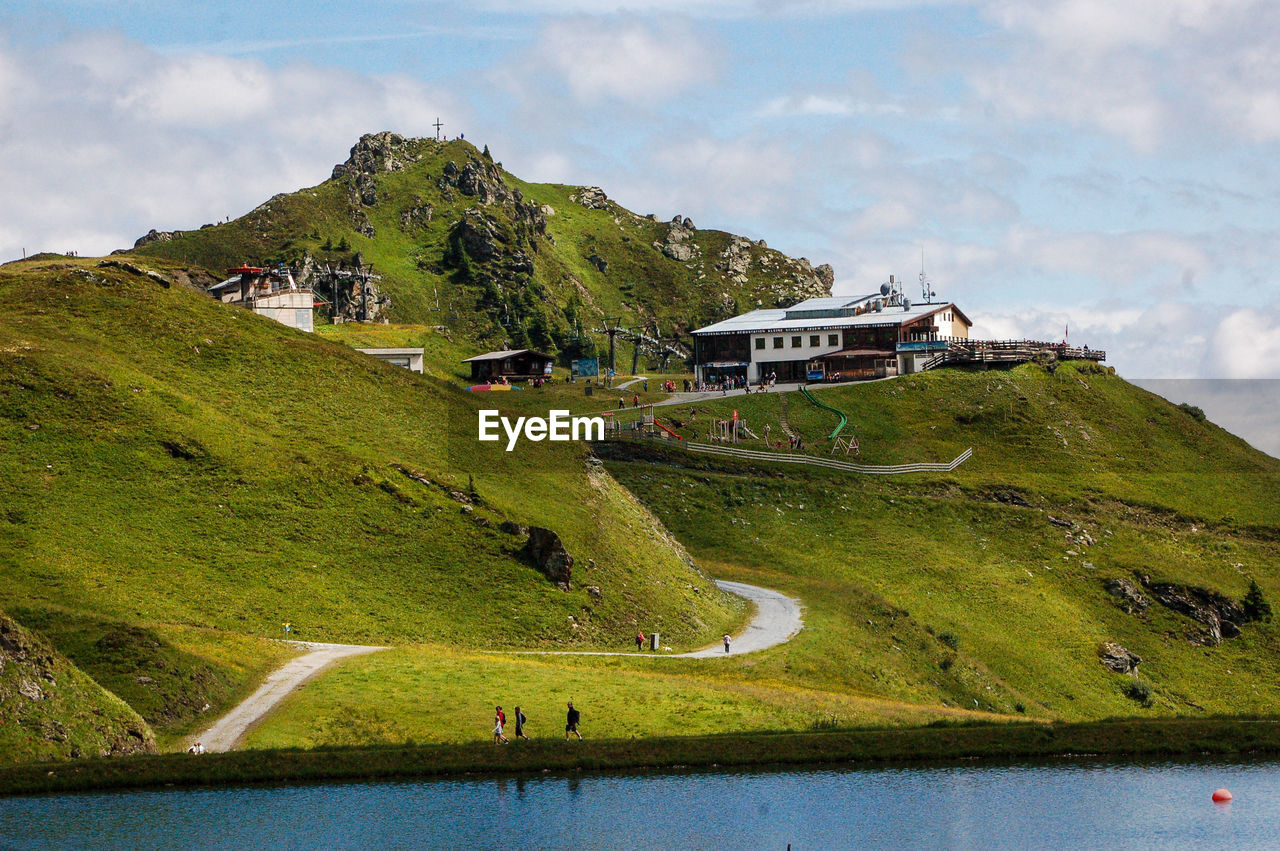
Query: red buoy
{"type": "Point", "coordinates": [1221, 796]}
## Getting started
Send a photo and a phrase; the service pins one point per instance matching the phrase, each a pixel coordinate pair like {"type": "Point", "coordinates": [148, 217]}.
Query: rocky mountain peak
{"type": "Point", "coordinates": [376, 153]}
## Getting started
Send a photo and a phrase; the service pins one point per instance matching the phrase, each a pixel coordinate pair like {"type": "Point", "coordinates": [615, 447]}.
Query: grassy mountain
{"type": "Point", "coordinates": [1094, 520]}
{"type": "Point", "coordinates": [463, 244]}
{"type": "Point", "coordinates": [182, 478]}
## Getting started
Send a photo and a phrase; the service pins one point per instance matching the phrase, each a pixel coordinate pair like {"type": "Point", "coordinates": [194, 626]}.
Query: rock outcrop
{"type": "Point", "coordinates": [679, 244]}
{"type": "Point", "coordinates": [154, 235]}
{"type": "Point", "coordinates": [1116, 658]}
{"type": "Point", "coordinates": [1220, 615]}
{"type": "Point", "coordinates": [376, 153]}
{"type": "Point", "coordinates": [417, 216]}
{"type": "Point", "coordinates": [591, 197]}
{"type": "Point", "coordinates": [1127, 595]}
{"type": "Point", "coordinates": [547, 553]}
{"type": "Point", "coordinates": [49, 709]}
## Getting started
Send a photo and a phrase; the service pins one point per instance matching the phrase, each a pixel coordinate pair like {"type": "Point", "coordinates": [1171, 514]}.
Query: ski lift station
{"type": "Point", "coordinates": [855, 337]}
{"type": "Point", "coordinates": [268, 292]}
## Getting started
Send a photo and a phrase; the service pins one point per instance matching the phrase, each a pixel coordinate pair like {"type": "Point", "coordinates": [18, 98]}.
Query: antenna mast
{"type": "Point", "coordinates": [926, 286]}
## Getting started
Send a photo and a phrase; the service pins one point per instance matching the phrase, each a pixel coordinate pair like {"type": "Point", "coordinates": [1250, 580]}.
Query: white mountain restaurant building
{"type": "Point", "coordinates": [847, 337]}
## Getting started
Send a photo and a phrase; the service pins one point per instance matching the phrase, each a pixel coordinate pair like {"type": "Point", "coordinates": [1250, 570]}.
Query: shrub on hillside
{"type": "Point", "coordinates": [1196, 414]}
{"type": "Point", "coordinates": [1256, 607]}
{"type": "Point", "coordinates": [1141, 692]}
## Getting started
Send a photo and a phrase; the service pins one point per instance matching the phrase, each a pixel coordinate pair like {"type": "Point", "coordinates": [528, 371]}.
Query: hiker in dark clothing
{"type": "Point", "coordinates": [571, 723]}
{"type": "Point", "coordinates": [520, 719]}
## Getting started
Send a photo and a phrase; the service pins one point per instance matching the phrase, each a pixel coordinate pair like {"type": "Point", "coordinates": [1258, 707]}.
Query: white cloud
{"type": "Point", "coordinates": [710, 8]}
{"type": "Point", "coordinates": [827, 105]}
{"type": "Point", "coordinates": [1153, 72]}
{"type": "Point", "coordinates": [106, 138]}
{"type": "Point", "coordinates": [1246, 343]}
{"type": "Point", "coordinates": [621, 59]}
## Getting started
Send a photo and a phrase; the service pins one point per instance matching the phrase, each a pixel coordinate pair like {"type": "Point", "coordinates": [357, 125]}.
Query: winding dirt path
{"type": "Point", "coordinates": [230, 728]}
{"type": "Point", "coordinates": [777, 620]}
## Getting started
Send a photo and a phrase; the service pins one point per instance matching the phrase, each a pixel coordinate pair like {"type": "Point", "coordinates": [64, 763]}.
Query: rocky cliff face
{"type": "Point", "coordinates": [49, 709]}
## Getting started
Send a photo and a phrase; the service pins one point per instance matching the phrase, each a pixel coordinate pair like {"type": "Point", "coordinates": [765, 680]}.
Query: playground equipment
{"type": "Point", "coordinates": [728, 431]}
{"type": "Point", "coordinates": [667, 430]}
{"type": "Point", "coordinates": [804, 391]}
{"type": "Point", "coordinates": [848, 444]}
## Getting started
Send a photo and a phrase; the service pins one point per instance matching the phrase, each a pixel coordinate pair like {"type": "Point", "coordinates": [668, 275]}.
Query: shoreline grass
{"type": "Point", "coordinates": [936, 743]}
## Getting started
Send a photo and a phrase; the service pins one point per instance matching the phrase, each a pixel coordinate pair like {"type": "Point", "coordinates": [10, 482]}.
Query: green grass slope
{"type": "Point", "coordinates": [988, 587]}
{"type": "Point", "coordinates": [177, 467]}
{"type": "Point", "coordinates": [982, 593]}
{"type": "Point", "coordinates": [464, 245]}
{"type": "Point", "coordinates": [50, 710]}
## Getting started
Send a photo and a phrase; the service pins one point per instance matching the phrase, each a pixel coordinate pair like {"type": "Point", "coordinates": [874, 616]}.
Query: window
{"type": "Point", "coordinates": [795, 342]}
{"type": "Point", "coordinates": [759, 342]}
{"type": "Point", "coordinates": [814, 340]}
{"type": "Point", "coordinates": [833, 339]}
{"type": "Point", "coordinates": [777, 342]}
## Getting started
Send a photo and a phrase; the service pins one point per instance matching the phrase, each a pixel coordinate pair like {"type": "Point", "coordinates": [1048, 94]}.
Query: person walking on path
{"type": "Point", "coordinates": [571, 723]}
{"type": "Point", "coordinates": [520, 719]}
{"type": "Point", "coordinates": [727, 639]}
{"type": "Point", "coordinates": [635, 400]}
{"type": "Point", "coordinates": [639, 641]}
{"type": "Point", "coordinates": [499, 721]}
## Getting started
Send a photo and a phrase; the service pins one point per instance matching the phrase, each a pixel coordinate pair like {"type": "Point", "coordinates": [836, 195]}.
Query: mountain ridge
{"type": "Point", "coordinates": [462, 243]}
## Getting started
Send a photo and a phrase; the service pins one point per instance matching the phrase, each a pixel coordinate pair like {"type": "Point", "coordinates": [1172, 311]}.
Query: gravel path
{"type": "Point", "coordinates": [224, 735]}
{"type": "Point", "coordinates": [777, 620]}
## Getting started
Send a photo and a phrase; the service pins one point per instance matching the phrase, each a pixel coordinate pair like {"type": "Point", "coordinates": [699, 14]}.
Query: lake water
{"type": "Point", "coordinates": [1064, 804]}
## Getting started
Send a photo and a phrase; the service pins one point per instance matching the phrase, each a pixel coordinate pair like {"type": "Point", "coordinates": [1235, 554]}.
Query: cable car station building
{"type": "Point", "coordinates": [861, 337]}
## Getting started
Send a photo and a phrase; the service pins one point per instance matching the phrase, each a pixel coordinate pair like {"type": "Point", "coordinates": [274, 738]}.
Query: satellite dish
{"type": "Point", "coordinates": [884, 289]}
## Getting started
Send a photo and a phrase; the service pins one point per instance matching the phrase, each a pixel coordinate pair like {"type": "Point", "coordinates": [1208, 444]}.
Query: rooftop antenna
{"type": "Point", "coordinates": [926, 286]}
{"type": "Point", "coordinates": [437, 125]}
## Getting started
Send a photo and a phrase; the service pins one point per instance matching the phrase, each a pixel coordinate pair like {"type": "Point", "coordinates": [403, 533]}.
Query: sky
{"type": "Point", "coordinates": [1109, 171]}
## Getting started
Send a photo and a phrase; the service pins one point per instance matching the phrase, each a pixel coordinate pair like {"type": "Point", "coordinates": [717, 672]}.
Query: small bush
{"type": "Point", "coordinates": [1141, 692]}
{"type": "Point", "coordinates": [947, 662]}
{"type": "Point", "coordinates": [826, 722]}
{"type": "Point", "coordinates": [950, 639]}
{"type": "Point", "coordinates": [1019, 708]}
{"type": "Point", "coordinates": [1256, 607]}
{"type": "Point", "coordinates": [1195, 413]}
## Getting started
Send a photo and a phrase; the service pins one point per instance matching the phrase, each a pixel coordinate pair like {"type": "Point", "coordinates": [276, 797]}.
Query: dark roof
{"type": "Point", "coordinates": [507, 353]}
{"type": "Point", "coordinates": [857, 353]}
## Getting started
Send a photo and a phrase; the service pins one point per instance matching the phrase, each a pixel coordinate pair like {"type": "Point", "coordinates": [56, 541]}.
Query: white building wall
{"type": "Point", "coordinates": [804, 351]}
{"type": "Point", "coordinates": [950, 324]}
{"type": "Point", "coordinates": [288, 308]}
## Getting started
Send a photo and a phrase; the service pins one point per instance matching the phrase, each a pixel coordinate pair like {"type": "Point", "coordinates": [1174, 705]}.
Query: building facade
{"type": "Point", "coordinates": [511, 364]}
{"type": "Point", "coordinates": [830, 338]}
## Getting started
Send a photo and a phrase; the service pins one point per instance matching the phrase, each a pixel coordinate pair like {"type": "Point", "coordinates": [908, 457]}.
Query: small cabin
{"type": "Point", "coordinates": [511, 364]}
{"type": "Point", "coordinates": [405, 358]}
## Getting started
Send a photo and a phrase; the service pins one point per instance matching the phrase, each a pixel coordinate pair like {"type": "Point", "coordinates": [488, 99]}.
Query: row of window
{"type": "Point", "coordinates": [815, 340]}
